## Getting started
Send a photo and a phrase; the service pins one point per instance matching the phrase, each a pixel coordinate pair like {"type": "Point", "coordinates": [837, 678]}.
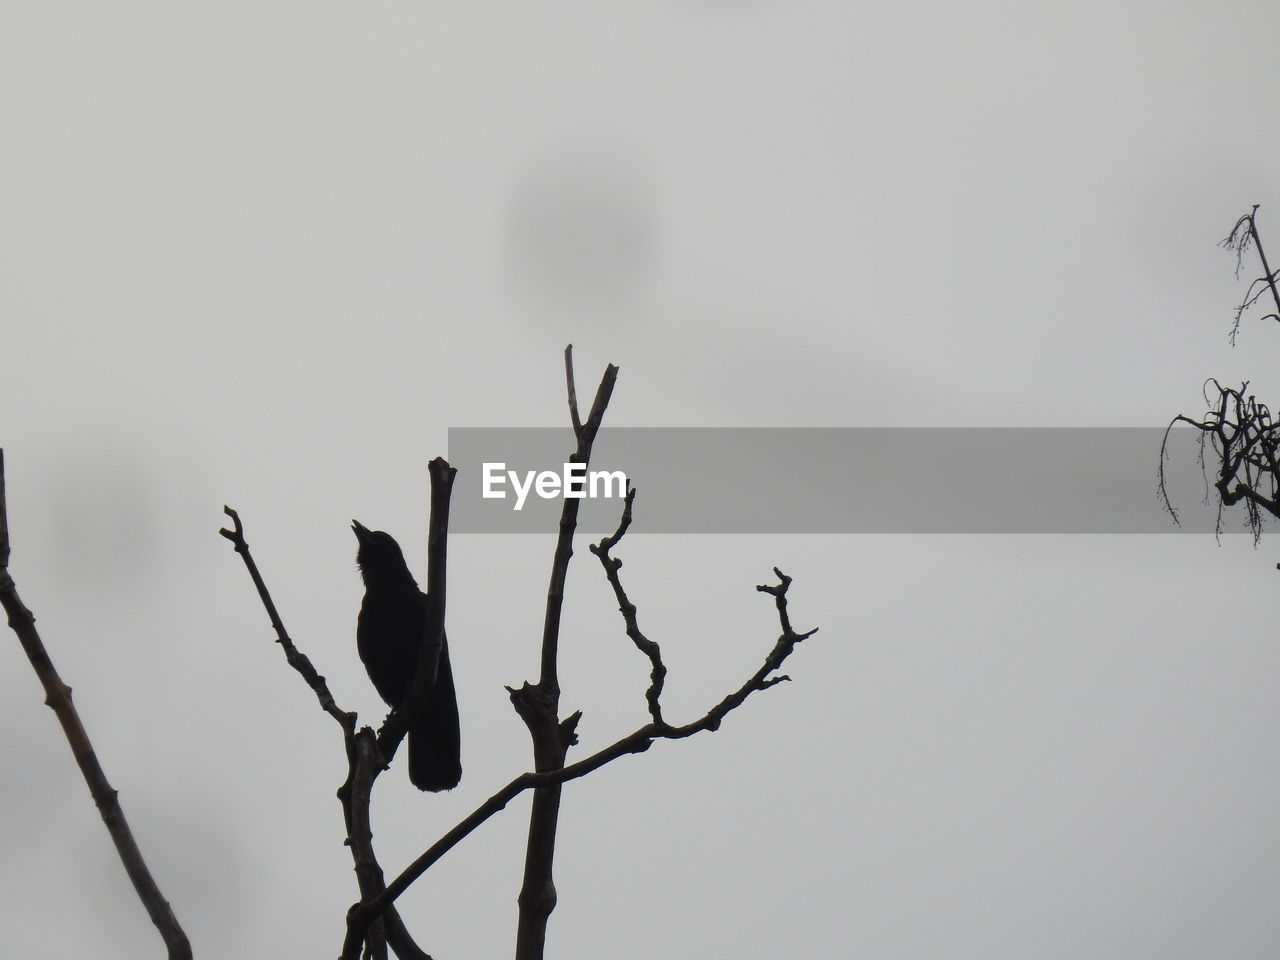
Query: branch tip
{"type": "Point", "coordinates": [573, 391]}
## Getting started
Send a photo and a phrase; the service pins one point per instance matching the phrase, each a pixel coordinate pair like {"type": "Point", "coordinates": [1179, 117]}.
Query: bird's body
{"type": "Point", "coordinates": [389, 638]}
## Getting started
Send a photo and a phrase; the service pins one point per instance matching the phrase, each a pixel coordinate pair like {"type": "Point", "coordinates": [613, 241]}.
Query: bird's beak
{"type": "Point", "coordinates": [360, 530]}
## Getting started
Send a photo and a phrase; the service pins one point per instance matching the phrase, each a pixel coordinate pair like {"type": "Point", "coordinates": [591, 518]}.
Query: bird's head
{"type": "Point", "coordinates": [379, 557]}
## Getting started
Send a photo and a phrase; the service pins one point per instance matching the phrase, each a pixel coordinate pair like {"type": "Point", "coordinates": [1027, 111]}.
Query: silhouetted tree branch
{"type": "Point", "coordinates": [638, 741]}
{"type": "Point", "coordinates": [1239, 428]}
{"type": "Point", "coordinates": [1245, 443]}
{"type": "Point", "coordinates": [293, 656]}
{"type": "Point", "coordinates": [538, 704]}
{"type": "Point", "coordinates": [1244, 233]}
{"type": "Point", "coordinates": [58, 696]}
{"type": "Point", "coordinates": [658, 673]}
{"type": "Point", "coordinates": [373, 923]}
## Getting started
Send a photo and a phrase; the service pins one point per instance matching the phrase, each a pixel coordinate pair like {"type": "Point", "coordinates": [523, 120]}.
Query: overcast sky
{"type": "Point", "coordinates": [266, 254]}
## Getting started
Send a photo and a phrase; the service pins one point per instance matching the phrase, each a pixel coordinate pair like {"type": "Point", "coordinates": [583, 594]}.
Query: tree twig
{"type": "Point", "coordinates": [612, 566]}
{"type": "Point", "coordinates": [296, 659]}
{"type": "Point", "coordinates": [573, 390]}
{"type": "Point", "coordinates": [585, 434]}
{"type": "Point", "coordinates": [1244, 232]}
{"type": "Point", "coordinates": [58, 696]}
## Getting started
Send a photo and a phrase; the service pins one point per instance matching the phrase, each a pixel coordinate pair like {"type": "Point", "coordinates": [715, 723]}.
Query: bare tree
{"type": "Point", "coordinates": [373, 924]}
{"type": "Point", "coordinates": [1239, 428]}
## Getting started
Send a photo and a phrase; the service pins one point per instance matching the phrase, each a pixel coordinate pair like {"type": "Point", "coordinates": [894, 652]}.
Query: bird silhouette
{"type": "Point", "coordinates": [389, 638]}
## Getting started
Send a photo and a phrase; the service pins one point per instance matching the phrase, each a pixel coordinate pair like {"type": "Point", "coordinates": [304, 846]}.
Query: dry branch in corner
{"type": "Point", "coordinates": [1237, 426]}
{"type": "Point", "coordinates": [58, 697]}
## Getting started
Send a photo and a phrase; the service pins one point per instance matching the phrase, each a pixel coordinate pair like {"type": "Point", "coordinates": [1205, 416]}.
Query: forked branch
{"type": "Point", "coordinates": [539, 704]}
{"type": "Point", "coordinates": [1244, 233]}
{"type": "Point", "coordinates": [638, 741]}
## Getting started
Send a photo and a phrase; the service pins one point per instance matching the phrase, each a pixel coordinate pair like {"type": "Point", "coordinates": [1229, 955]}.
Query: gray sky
{"type": "Point", "coordinates": [266, 254]}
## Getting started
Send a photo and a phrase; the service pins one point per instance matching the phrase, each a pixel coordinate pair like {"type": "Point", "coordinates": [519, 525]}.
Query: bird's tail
{"type": "Point", "coordinates": [435, 756]}
{"type": "Point", "coordinates": [430, 767]}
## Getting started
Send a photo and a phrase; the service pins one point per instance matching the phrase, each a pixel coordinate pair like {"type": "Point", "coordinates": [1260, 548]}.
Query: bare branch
{"type": "Point", "coordinates": [58, 696]}
{"type": "Point", "coordinates": [1244, 233]}
{"type": "Point", "coordinates": [386, 926]}
{"type": "Point", "coordinates": [296, 659]}
{"type": "Point", "coordinates": [586, 435]}
{"type": "Point", "coordinates": [538, 704]}
{"type": "Point", "coordinates": [573, 390]}
{"type": "Point", "coordinates": [1246, 445]}
{"type": "Point", "coordinates": [612, 566]}
{"type": "Point", "coordinates": [638, 741]}
{"type": "Point", "coordinates": [761, 679]}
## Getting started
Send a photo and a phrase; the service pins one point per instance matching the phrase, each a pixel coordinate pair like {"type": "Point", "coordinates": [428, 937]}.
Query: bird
{"type": "Point", "coordinates": [389, 639]}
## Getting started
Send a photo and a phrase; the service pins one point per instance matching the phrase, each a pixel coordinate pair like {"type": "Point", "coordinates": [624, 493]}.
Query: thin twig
{"type": "Point", "coordinates": [1244, 232]}
{"type": "Point", "coordinates": [612, 566]}
{"type": "Point", "coordinates": [585, 434]}
{"type": "Point", "coordinates": [573, 390]}
{"type": "Point", "coordinates": [296, 659]}
{"type": "Point", "coordinates": [58, 696]}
